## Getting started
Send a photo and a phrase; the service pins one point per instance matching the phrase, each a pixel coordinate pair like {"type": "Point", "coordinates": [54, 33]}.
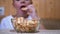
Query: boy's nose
{"type": "Point", "coordinates": [23, 1]}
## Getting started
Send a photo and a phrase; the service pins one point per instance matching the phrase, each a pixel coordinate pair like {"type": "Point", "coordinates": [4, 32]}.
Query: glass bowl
{"type": "Point", "coordinates": [25, 25]}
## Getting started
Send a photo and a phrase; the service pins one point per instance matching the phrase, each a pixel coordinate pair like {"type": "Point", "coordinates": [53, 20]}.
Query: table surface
{"type": "Point", "coordinates": [40, 32]}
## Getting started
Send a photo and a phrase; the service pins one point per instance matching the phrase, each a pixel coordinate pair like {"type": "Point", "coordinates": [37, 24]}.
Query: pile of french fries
{"type": "Point", "coordinates": [23, 25]}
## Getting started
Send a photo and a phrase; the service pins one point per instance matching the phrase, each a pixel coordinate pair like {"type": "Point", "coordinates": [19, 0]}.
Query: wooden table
{"type": "Point", "coordinates": [40, 32]}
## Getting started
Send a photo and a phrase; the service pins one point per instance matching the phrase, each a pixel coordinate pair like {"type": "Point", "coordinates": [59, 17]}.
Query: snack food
{"type": "Point", "coordinates": [23, 25]}
{"type": "Point", "coordinates": [24, 8]}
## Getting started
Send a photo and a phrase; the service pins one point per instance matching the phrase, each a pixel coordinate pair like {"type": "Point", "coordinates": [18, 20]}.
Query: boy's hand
{"type": "Point", "coordinates": [32, 12]}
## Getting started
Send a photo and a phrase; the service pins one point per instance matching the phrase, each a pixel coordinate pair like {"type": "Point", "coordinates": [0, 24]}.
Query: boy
{"type": "Point", "coordinates": [18, 4]}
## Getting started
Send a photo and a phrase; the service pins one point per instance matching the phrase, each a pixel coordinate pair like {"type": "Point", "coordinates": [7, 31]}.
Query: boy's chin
{"type": "Point", "coordinates": [25, 16]}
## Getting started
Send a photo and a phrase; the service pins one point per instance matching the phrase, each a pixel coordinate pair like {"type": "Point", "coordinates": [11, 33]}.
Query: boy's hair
{"type": "Point", "coordinates": [30, 1]}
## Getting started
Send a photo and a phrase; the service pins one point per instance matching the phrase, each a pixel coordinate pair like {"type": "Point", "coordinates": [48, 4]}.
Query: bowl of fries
{"type": "Point", "coordinates": [24, 25]}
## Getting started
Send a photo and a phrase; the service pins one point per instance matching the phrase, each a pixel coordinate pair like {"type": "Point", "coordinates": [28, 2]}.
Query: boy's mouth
{"type": "Point", "coordinates": [22, 7]}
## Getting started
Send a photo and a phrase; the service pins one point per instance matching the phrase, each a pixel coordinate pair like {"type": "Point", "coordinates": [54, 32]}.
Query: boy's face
{"type": "Point", "coordinates": [19, 3]}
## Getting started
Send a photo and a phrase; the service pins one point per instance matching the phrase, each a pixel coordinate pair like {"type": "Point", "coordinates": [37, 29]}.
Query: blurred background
{"type": "Point", "coordinates": [47, 10]}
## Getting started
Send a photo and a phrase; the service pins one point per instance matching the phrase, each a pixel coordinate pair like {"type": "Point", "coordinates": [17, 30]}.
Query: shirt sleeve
{"type": "Point", "coordinates": [2, 25]}
{"type": "Point", "coordinates": [6, 23]}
